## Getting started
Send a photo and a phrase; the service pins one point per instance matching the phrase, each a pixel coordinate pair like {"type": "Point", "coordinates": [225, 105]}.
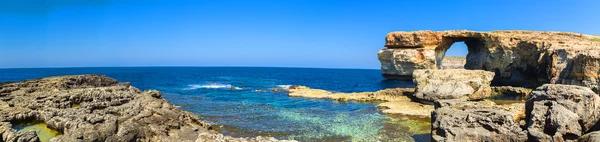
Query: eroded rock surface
{"type": "Point", "coordinates": [452, 84]}
{"type": "Point", "coordinates": [561, 112]}
{"type": "Point", "coordinates": [590, 137]}
{"type": "Point", "coordinates": [516, 57]}
{"type": "Point", "coordinates": [395, 99]}
{"type": "Point", "coordinates": [518, 93]}
{"type": "Point", "coordinates": [459, 120]}
{"type": "Point", "coordinates": [98, 108]}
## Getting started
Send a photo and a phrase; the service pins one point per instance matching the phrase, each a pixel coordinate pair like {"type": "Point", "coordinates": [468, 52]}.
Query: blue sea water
{"type": "Point", "coordinates": [239, 100]}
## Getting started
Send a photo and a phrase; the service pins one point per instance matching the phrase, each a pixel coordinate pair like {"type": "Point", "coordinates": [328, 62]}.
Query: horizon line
{"type": "Point", "coordinates": [67, 67]}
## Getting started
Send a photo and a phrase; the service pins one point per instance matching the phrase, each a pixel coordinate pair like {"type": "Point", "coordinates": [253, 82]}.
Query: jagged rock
{"type": "Point", "coordinates": [396, 100]}
{"type": "Point", "coordinates": [590, 137]}
{"type": "Point", "coordinates": [452, 84]}
{"type": "Point", "coordinates": [97, 108]}
{"type": "Point", "coordinates": [458, 120]}
{"type": "Point", "coordinates": [561, 112]}
{"type": "Point", "coordinates": [516, 57]}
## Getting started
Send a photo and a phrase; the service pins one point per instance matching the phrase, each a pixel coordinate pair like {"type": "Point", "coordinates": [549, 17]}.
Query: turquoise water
{"type": "Point", "coordinates": [240, 102]}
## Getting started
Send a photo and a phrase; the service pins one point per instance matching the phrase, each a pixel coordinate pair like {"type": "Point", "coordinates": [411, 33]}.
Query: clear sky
{"type": "Point", "coordinates": [281, 33]}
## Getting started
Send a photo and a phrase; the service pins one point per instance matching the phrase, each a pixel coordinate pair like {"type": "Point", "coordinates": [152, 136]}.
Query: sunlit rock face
{"type": "Point", "coordinates": [516, 57]}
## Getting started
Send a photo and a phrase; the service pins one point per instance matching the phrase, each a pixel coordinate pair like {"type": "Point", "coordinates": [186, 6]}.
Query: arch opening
{"type": "Point", "coordinates": [459, 53]}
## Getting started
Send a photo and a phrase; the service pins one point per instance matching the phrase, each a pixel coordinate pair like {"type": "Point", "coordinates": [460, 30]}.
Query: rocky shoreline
{"type": "Point", "coordinates": [98, 108]}
{"type": "Point", "coordinates": [551, 112]}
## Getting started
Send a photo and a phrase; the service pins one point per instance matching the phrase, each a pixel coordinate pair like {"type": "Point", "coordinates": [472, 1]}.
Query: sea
{"type": "Point", "coordinates": [239, 101]}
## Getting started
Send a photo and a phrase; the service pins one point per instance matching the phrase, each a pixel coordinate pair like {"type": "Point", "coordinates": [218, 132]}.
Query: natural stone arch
{"type": "Point", "coordinates": [476, 51]}
{"type": "Point", "coordinates": [516, 57]}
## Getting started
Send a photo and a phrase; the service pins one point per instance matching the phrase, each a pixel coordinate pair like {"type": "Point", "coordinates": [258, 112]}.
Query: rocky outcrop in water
{"type": "Point", "coordinates": [434, 85]}
{"type": "Point", "coordinates": [98, 108]}
{"type": "Point", "coordinates": [516, 57]}
{"type": "Point", "coordinates": [396, 100]}
{"type": "Point", "coordinates": [519, 93]}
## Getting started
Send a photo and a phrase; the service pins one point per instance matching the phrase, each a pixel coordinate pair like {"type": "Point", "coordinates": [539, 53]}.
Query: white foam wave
{"type": "Point", "coordinates": [211, 86]}
{"type": "Point", "coordinates": [284, 86]}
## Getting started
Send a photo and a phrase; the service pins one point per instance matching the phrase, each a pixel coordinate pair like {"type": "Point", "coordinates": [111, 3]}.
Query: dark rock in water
{"type": "Point", "coordinates": [458, 120]}
{"type": "Point", "coordinates": [561, 112]}
{"type": "Point", "coordinates": [108, 111]}
{"type": "Point", "coordinates": [509, 92]}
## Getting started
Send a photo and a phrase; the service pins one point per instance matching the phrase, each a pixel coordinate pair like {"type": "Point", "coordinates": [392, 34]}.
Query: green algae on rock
{"type": "Point", "coordinates": [41, 129]}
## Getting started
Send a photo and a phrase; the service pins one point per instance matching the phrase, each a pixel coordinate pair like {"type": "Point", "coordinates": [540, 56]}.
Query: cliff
{"type": "Point", "coordinates": [516, 57]}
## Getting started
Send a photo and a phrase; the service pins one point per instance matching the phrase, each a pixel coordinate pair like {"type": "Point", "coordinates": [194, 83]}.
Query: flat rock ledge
{"type": "Point", "coordinates": [98, 108]}
{"type": "Point", "coordinates": [396, 100]}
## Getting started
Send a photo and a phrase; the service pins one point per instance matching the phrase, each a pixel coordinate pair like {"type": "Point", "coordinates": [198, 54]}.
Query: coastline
{"type": "Point", "coordinates": [92, 108]}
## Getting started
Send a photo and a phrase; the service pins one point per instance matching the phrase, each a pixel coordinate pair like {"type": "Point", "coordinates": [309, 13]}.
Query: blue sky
{"type": "Point", "coordinates": [280, 33]}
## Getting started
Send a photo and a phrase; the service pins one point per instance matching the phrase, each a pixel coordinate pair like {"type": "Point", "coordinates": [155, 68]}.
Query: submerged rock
{"type": "Point", "coordinates": [406, 108]}
{"type": "Point", "coordinates": [434, 85]}
{"type": "Point", "coordinates": [98, 108]}
{"type": "Point", "coordinates": [459, 120]}
{"type": "Point", "coordinates": [516, 57]}
{"type": "Point", "coordinates": [561, 112]}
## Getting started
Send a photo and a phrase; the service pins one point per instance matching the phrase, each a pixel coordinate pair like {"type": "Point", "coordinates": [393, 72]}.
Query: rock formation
{"type": "Point", "coordinates": [98, 108]}
{"type": "Point", "coordinates": [459, 120]}
{"type": "Point", "coordinates": [561, 112]}
{"type": "Point", "coordinates": [396, 100]}
{"type": "Point", "coordinates": [554, 112]}
{"type": "Point", "coordinates": [434, 85]}
{"type": "Point", "coordinates": [516, 57]}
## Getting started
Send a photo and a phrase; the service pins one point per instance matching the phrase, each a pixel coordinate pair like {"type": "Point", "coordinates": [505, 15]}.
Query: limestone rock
{"type": "Point", "coordinates": [393, 94]}
{"type": "Point", "coordinates": [458, 120]}
{"type": "Point", "coordinates": [454, 62]}
{"type": "Point", "coordinates": [561, 112]}
{"type": "Point", "coordinates": [97, 108]}
{"type": "Point", "coordinates": [590, 137]}
{"type": "Point", "coordinates": [406, 108]}
{"type": "Point", "coordinates": [516, 57]}
{"type": "Point", "coordinates": [396, 100]}
{"type": "Point", "coordinates": [452, 84]}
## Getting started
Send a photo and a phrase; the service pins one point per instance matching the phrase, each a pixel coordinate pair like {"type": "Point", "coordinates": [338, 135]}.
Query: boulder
{"type": "Point", "coordinates": [458, 120]}
{"type": "Point", "coordinates": [558, 112]}
{"type": "Point", "coordinates": [517, 57]}
{"type": "Point", "coordinates": [434, 85]}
